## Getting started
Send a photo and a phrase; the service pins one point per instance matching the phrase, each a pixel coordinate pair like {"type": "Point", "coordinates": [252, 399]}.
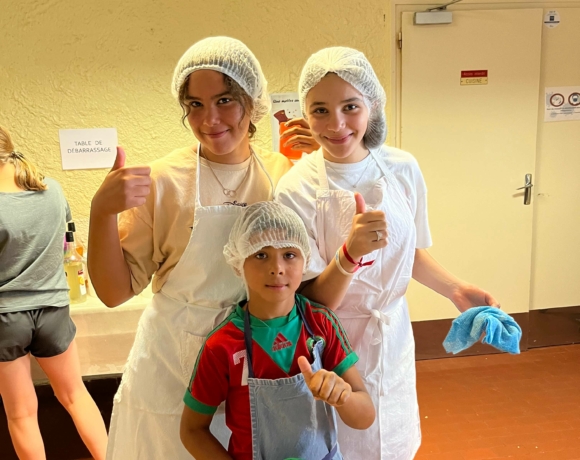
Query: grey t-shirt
{"type": "Point", "coordinates": [32, 227]}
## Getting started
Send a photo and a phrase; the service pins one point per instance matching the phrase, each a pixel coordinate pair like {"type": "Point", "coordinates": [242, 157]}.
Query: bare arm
{"type": "Point", "coordinates": [197, 439]}
{"type": "Point", "coordinates": [122, 189]}
{"type": "Point", "coordinates": [331, 285]}
{"type": "Point", "coordinates": [347, 394]}
{"type": "Point", "coordinates": [358, 411]}
{"type": "Point", "coordinates": [329, 288]}
{"type": "Point", "coordinates": [427, 271]}
{"type": "Point", "coordinates": [109, 271]}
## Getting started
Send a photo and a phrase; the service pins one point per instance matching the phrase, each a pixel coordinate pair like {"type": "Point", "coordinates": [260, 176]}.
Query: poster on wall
{"type": "Point", "coordinates": [562, 103]}
{"type": "Point", "coordinates": [285, 107]}
{"type": "Point", "coordinates": [88, 148]}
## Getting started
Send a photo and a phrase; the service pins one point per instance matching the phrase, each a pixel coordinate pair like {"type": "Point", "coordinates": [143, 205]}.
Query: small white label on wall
{"type": "Point", "coordinates": [88, 148]}
{"type": "Point", "coordinates": [552, 19]}
{"type": "Point", "coordinates": [562, 103]}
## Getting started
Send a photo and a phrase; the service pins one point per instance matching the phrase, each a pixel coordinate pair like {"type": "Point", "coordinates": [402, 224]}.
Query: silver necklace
{"type": "Point", "coordinates": [229, 192]}
{"type": "Point", "coordinates": [344, 178]}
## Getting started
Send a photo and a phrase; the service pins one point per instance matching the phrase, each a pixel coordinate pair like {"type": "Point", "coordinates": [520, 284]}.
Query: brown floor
{"type": "Point", "coordinates": [501, 406]}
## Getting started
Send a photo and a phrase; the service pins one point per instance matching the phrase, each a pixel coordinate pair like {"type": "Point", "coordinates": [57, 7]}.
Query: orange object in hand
{"type": "Point", "coordinates": [287, 151]}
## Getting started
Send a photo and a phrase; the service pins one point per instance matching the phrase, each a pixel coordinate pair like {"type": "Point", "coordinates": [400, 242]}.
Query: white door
{"type": "Point", "coordinates": [475, 144]}
{"type": "Point", "coordinates": [556, 248]}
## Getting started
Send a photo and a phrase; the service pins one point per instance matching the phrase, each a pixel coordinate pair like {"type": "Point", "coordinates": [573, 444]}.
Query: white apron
{"type": "Point", "coordinates": [375, 316]}
{"type": "Point", "coordinates": [199, 293]}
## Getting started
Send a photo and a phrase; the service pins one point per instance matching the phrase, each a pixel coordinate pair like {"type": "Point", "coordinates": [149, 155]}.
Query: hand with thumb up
{"type": "Point", "coordinates": [123, 188]}
{"type": "Point", "coordinates": [368, 231]}
{"type": "Point", "coordinates": [325, 385]}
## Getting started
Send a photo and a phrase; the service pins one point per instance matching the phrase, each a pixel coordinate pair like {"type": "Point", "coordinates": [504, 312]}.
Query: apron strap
{"type": "Point", "coordinates": [332, 453]}
{"type": "Point", "coordinates": [197, 176]}
{"type": "Point", "coordinates": [380, 162]}
{"type": "Point", "coordinates": [303, 317]}
{"type": "Point", "coordinates": [248, 340]}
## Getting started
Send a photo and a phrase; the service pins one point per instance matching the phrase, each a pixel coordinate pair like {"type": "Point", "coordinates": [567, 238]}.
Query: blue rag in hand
{"type": "Point", "coordinates": [501, 331]}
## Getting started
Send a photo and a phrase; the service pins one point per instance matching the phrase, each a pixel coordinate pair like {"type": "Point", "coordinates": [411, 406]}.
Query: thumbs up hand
{"type": "Point", "coordinates": [368, 231]}
{"type": "Point", "coordinates": [123, 188]}
{"type": "Point", "coordinates": [325, 386]}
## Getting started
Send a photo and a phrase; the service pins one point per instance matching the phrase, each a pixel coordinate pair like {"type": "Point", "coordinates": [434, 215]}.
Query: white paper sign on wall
{"type": "Point", "coordinates": [285, 106]}
{"type": "Point", "coordinates": [562, 103]}
{"type": "Point", "coordinates": [88, 148]}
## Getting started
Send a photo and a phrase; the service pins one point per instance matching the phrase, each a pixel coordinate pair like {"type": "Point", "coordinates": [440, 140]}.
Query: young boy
{"type": "Point", "coordinates": [281, 363]}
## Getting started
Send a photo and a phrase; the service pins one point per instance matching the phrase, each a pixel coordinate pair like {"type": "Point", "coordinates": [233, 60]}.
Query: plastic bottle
{"type": "Point", "coordinates": [78, 242]}
{"type": "Point", "coordinates": [74, 270]}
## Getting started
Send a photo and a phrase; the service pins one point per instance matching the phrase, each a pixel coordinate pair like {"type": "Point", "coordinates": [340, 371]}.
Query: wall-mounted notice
{"type": "Point", "coordinates": [88, 148]}
{"type": "Point", "coordinates": [562, 103]}
{"type": "Point", "coordinates": [473, 77]}
{"type": "Point", "coordinates": [285, 107]}
{"type": "Point", "coordinates": [552, 19]}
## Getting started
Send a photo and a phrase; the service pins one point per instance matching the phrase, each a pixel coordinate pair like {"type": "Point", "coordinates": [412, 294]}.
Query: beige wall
{"type": "Point", "coordinates": [81, 64]}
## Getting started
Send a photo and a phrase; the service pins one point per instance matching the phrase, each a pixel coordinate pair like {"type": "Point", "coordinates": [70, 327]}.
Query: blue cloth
{"type": "Point", "coordinates": [501, 331]}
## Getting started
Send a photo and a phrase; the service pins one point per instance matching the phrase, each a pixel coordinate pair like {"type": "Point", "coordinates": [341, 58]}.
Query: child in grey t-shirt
{"type": "Point", "coordinates": [34, 306]}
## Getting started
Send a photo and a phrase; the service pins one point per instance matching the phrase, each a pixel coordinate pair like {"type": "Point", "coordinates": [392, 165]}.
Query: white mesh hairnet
{"type": "Point", "coordinates": [354, 68]}
{"type": "Point", "coordinates": [262, 224]}
{"type": "Point", "coordinates": [232, 58]}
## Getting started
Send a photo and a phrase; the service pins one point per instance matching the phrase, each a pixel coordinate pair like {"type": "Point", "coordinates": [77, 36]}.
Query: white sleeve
{"type": "Point", "coordinates": [421, 213]}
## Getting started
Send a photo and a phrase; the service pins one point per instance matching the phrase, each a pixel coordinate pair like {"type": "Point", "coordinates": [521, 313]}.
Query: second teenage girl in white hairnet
{"type": "Point", "coordinates": [283, 364]}
{"type": "Point", "coordinates": [175, 217]}
{"type": "Point", "coordinates": [343, 102]}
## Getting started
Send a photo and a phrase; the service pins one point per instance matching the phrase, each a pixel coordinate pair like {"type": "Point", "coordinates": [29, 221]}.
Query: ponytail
{"type": "Point", "coordinates": [26, 175]}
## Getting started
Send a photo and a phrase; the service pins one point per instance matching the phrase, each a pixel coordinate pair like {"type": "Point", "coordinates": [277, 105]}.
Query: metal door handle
{"type": "Point", "coordinates": [527, 189]}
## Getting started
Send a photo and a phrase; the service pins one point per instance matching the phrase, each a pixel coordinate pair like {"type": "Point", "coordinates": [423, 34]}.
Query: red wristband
{"type": "Point", "coordinates": [358, 264]}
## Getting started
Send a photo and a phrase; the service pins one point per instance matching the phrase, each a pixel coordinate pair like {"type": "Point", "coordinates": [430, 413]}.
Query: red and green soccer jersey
{"type": "Point", "coordinates": [277, 344]}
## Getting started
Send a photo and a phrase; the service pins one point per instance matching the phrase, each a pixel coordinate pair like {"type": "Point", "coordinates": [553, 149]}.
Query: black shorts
{"type": "Point", "coordinates": [43, 332]}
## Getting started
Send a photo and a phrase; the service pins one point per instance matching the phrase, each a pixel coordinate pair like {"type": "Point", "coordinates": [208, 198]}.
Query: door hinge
{"type": "Point", "coordinates": [400, 40]}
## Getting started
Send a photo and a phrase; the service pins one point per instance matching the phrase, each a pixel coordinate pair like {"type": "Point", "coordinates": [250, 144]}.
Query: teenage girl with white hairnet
{"type": "Point", "coordinates": [343, 102]}
{"type": "Point", "coordinates": [175, 218]}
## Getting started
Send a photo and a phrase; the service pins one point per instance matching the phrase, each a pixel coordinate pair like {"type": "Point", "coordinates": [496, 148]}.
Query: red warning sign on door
{"type": "Point", "coordinates": [474, 77]}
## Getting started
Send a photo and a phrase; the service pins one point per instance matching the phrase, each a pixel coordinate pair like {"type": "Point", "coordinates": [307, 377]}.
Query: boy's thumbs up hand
{"type": "Point", "coordinates": [324, 385]}
{"type": "Point", "coordinates": [123, 188]}
{"type": "Point", "coordinates": [305, 368]}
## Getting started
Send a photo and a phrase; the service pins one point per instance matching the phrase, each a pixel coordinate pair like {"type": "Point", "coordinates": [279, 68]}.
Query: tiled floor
{"type": "Point", "coordinates": [501, 406]}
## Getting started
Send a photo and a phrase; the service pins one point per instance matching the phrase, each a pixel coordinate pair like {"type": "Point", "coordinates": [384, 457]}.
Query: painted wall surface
{"type": "Point", "coordinates": [81, 64]}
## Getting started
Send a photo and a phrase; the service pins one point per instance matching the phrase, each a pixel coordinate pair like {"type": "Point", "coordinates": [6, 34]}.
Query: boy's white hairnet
{"type": "Point", "coordinates": [354, 68]}
{"type": "Point", "coordinates": [232, 58]}
{"type": "Point", "coordinates": [262, 224]}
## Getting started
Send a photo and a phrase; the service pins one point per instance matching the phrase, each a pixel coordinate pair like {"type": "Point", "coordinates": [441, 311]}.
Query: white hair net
{"type": "Point", "coordinates": [262, 224]}
{"type": "Point", "coordinates": [354, 68]}
{"type": "Point", "coordinates": [232, 58]}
